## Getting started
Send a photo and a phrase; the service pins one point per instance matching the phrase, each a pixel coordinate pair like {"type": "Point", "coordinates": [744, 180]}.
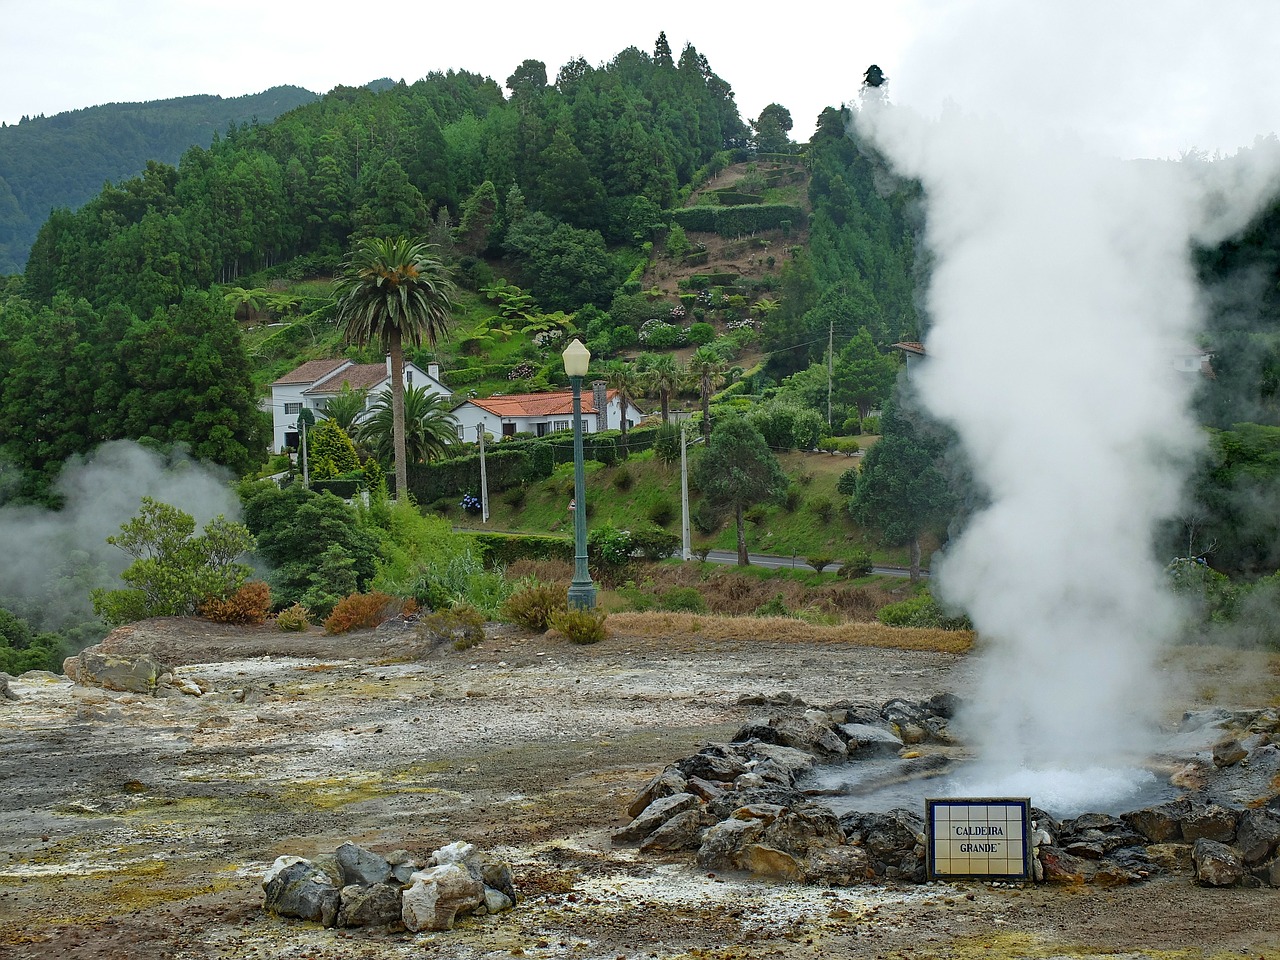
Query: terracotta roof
{"type": "Point", "coordinates": [538, 404]}
{"type": "Point", "coordinates": [361, 376]}
{"type": "Point", "coordinates": [911, 346]}
{"type": "Point", "coordinates": [311, 371]}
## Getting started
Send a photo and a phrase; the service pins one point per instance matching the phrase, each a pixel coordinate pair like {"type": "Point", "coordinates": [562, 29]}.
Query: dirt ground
{"type": "Point", "coordinates": [140, 827]}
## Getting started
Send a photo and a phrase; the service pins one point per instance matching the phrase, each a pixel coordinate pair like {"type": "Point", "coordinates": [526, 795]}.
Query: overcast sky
{"type": "Point", "coordinates": [1142, 77]}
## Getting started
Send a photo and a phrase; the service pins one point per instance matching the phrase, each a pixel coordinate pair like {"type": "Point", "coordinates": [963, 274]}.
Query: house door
{"type": "Point", "coordinates": [508, 430]}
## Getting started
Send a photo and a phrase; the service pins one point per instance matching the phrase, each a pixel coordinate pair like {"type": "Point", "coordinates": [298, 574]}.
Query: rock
{"type": "Point", "coordinates": [766, 861]}
{"type": "Point", "coordinates": [1228, 752]}
{"type": "Point", "coordinates": [457, 852]}
{"type": "Point", "coordinates": [495, 901]}
{"type": "Point", "coordinates": [5, 692]}
{"type": "Point", "coordinates": [723, 841]}
{"type": "Point", "coordinates": [893, 840]}
{"type": "Point", "coordinates": [788, 762]}
{"type": "Point", "coordinates": [868, 741]}
{"type": "Point", "coordinates": [1216, 864]}
{"type": "Point", "coordinates": [1246, 783]}
{"type": "Point", "coordinates": [803, 828]}
{"type": "Point", "coordinates": [670, 781]}
{"type": "Point", "coordinates": [838, 866]}
{"type": "Point", "coordinates": [1062, 867]}
{"type": "Point", "coordinates": [705, 790]}
{"type": "Point", "coordinates": [438, 896]}
{"type": "Point", "coordinates": [1268, 873]}
{"type": "Point", "coordinates": [1257, 835]}
{"type": "Point", "coordinates": [140, 674]}
{"type": "Point", "coordinates": [361, 867]}
{"type": "Point", "coordinates": [303, 891]}
{"type": "Point", "coordinates": [1209, 822]}
{"type": "Point", "coordinates": [730, 801]}
{"type": "Point", "coordinates": [1201, 719]}
{"type": "Point", "coordinates": [945, 705]}
{"type": "Point", "coordinates": [377, 905]}
{"type": "Point", "coordinates": [403, 866]}
{"type": "Point", "coordinates": [1161, 823]}
{"type": "Point", "coordinates": [681, 832]}
{"type": "Point", "coordinates": [712, 766]}
{"type": "Point", "coordinates": [654, 816]}
{"type": "Point", "coordinates": [1171, 857]}
{"type": "Point", "coordinates": [800, 733]}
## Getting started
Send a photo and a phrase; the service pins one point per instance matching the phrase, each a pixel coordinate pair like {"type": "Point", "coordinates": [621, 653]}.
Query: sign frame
{"type": "Point", "coordinates": [987, 838]}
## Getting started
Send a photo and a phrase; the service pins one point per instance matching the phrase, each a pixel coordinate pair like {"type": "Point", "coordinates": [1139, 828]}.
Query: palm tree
{"type": "Point", "coordinates": [344, 407]}
{"type": "Point", "coordinates": [391, 290]}
{"type": "Point", "coordinates": [430, 428]}
{"type": "Point", "coordinates": [707, 368]}
{"type": "Point", "coordinates": [624, 378]}
{"type": "Point", "coordinates": [663, 376]}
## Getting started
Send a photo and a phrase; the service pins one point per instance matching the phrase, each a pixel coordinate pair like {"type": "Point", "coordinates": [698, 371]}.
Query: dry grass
{"type": "Point", "coordinates": [788, 630]}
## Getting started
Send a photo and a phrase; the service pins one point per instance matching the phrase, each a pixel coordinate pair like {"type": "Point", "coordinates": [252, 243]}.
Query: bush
{"type": "Point", "coordinates": [775, 607]}
{"type": "Point", "coordinates": [819, 561]}
{"type": "Point", "coordinates": [534, 607]}
{"type": "Point", "coordinates": [921, 611]}
{"type": "Point", "coordinates": [823, 507]}
{"type": "Point", "coordinates": [293, 619]}
{"type": "Point", "coordinates": [682, 600]}
{"type": "Point", "coordinates": [662, 511]}
{"type": "Point", "coordinates": [857, 565]}
{"type": "Point", "coordinates": [792, 499]}
{"type": "Point", "coordinates": [249, 604]}
{"type": "Point", "coordinates": [706, 517]}
{"type": "Point", "coordinates": [360, 611]}
{"type": "Point", "coordinates": [515, 497]}
{"type": "Point", "coordinates": [581, 626]}
{"type": "Point", "coordinates": [623, 480]}
{"type": "Point", "coordinates": [463, 626]}
{"type": "Point", "coordinates": [654, 545]}
{"type": "Point", "coordinates": [700, 334]}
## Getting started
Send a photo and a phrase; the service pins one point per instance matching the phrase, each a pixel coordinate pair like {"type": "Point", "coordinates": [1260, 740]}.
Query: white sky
{"type": "Point", "coordinates": [58, 55]}
{"type": "Point", "coordinates": [1139, 77]}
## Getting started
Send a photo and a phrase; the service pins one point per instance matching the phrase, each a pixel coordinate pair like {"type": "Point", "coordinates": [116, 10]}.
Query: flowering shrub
{"type": "Point", "coordinates": [471, 503]}
{"type": "Point", "coordinates": [659, 333]}
{"type": "Point", "coordinates": [743, 324]}
{"type": "Point", "coordinates": [677, 312]}
{"type": "Point", "coordinates": [548, 338]}
{"type": "Point", "coordinates": [522, 371]}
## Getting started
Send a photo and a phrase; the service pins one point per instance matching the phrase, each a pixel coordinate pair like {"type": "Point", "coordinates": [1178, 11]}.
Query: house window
{"type": "Point", "coordinates": [291, 408]}
{"type": "Point", "coordinates": [560, 424]}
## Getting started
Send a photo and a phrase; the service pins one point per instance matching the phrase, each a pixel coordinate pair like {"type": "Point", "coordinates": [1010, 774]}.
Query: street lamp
{"type": "Point", "coordinates": [582, 592]}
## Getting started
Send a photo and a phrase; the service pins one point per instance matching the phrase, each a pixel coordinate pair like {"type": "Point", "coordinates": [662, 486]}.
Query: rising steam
{"type": "Point", "coordinates": [51, 559]}
{"type": "Point", "coordinates": [1060, 294]}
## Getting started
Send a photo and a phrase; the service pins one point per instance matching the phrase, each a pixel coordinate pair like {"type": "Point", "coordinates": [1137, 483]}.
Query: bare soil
{"type": "Point", "coordinates": [140, 827]}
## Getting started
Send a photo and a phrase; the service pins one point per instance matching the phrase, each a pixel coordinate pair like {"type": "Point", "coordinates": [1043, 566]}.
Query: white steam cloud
{"type": "Point", "coordinates": [1060, 294]}
{"type": "Point", "coordinates": [55, 557]}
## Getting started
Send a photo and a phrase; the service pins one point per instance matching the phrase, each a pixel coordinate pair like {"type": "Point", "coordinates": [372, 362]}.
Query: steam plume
{"type": "Point", "coordinates": [1061, 292]}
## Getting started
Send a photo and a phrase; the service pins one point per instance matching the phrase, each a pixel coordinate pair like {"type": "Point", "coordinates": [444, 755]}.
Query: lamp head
{"type": "Point", "coordinates": [576, 358]}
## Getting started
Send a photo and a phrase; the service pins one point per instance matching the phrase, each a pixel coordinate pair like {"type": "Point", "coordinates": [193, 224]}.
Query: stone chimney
{"type": "Point", "coordinates": [600, 396]}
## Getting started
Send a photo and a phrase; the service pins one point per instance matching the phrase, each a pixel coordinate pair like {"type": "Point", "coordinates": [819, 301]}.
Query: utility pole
{"type": "Point", "coordinates": [831, 340]}
{"type": "Point", "coordinates": [686, 551]}
{"type": "Point", "coordinates": [484, 481]}
{"type": "Point", "coordinates": [306, 482]}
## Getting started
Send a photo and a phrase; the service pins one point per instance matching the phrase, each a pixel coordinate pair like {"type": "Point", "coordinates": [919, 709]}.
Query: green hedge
{"type": "Point", "coordinates": [489, 371]}
{"type": "Point", "coordinates": [501, 549]}
{"type": "Point", "coordinates": [738, 220]}
{"type": "Point", "coordinates": [734, 198]}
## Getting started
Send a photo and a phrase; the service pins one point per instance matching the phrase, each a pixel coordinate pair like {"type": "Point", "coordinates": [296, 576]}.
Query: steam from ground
{"type": "Point", "coordinates": [53, 558]}
{"type": "Point", "coordinates": [1061, 291]}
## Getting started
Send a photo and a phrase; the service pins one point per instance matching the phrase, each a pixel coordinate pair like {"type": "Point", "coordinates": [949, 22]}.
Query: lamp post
{"type": "Point", "coordinates": [582, 592]}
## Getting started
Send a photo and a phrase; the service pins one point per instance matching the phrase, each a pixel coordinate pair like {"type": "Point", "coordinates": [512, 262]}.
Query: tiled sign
{"type": "Point", "coordinates": [985, 837]}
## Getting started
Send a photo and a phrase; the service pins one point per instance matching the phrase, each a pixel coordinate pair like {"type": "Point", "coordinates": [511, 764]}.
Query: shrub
{"type": "Point", "coordinates": [249, 604]}
{"type": "Point", "coordinates": [921, 611]}
{"type": "Point", "coordinates": [462, 625]}
{"type": "Point", "coordinates": [706, 517]}
{"type": "Point", "coordinates": [819, 561]}
{"type": "Point", "coordinates": [581, 626]}
{"type": "Point", "coordinates": [858, 564]}
{"type": "Point", "coordinates": [662, 511]}
{"type": "Point", "coordinates": [700, 334]}
{"type": "Point", "coordinates": [682, 600]}
{"type": "Point", "coordinates": [823, 507]}
{"type": "Point", "coordinates": [792, 499]}
{"type": "Point", "coordinates": [360, 611]}
{"type": "Point", "coordinates": [623, 480]}
{"type": "Point", "coordinates": [654, 545]}
{"type": "Point", "coordinates": [775, 607]}
{"type": "Point", "coordinates": [515, 497]}
{"type": "Point", "coordinates": [293, 619]}
{"type": "Point", "coordinates": [534, 607]}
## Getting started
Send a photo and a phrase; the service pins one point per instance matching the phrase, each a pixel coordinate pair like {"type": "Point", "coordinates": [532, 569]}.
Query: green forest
{"type": "Point", "coordinates": [601, 202]}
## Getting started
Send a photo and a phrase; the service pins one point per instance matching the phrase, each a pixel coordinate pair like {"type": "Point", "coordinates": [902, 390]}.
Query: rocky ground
{"type": "Point", "coordinates": [140, 827]}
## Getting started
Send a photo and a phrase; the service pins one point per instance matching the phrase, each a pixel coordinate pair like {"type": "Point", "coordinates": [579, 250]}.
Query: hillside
{"type": "Point", "coordinates": [47, 163]}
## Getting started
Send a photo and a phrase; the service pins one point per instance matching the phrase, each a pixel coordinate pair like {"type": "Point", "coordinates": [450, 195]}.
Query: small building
{"type": "Point", "coordinates": [311, 386]}
{"type": "Point", "coordinates": [541, 413]}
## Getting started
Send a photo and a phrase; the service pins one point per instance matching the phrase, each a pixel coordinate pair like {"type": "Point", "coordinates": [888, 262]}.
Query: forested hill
{"type": "Point", "coordinates": [62, 161]}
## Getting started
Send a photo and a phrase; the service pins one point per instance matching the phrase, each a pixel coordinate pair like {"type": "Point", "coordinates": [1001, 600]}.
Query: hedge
{"type": "Point", "coordinates": [738, 220]}
{"type": "Point", "coordinates": [502, 549]}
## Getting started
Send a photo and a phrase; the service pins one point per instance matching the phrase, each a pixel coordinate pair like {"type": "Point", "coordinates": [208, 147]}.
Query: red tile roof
{"type": "Point", "coordinates": [311, 371]}
{"type": "Point", "coordinates": [538, 404]}
{"type": "Point", "coordinates": [361, 376]}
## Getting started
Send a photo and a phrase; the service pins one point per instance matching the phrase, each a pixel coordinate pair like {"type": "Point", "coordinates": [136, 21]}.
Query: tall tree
{"type": "Point", "coordinates": [863, 375]}
{"type": "Point", "coordinates": [738, 470]}
{"type": "Point", "coordinates": [430, 428]}
{"type": "Point", "coordinates": [663, 376]}
{"type": "Point", "coordinates": [707, 368]}
{"type": "Point", "coordinates": [902, 488]}
{"type": "Point", "coordinates": [393, 289]}
{"type": "Point", "coordinates": [623, 377]}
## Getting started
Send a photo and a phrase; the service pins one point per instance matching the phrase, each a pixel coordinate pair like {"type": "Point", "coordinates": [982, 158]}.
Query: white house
{"type": "Point", "coordinates": [543, 413]}
{"type": "Point", "coordinates": [311, 385]}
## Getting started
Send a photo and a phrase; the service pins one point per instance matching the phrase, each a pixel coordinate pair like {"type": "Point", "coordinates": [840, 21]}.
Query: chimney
{"type": "Point", "coordinates": [433, 371]}
{"type": "Point", "coordinates": [600, 397]}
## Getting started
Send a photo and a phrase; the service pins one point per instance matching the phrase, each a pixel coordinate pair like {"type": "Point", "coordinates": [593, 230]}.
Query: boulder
{"type": "Point", "coordinates": [1171, 857]}
{"type": "Point", "coordinates": [722, 843]}
{"type": "Point", "coordinates": [140, 674]}
{"type": "Point", "coordinates": [1209, 822]}
{"type": "Point", "coordinates": [1161, 823]}
{"type": "Point", "coordinates": [377, 905]}
{"type": "Point", "coordinates": [5, 692]}
{"type": "Point", "coordinates": [712, 765]}
{"type": "Point", "coordinates": [438, 896]}
{"type": "Point", "coordinates": [669, 781]}
{"type": "Point", "coordinates": [1257, 836]}
{"type": "Point", "coordinates": [1216, 864]}
{"type": "Point", "coordinates": [361, 867]}
{"type": "Point", "coordinates": [867, 741]}
{"type": "Point", "coordinates": [1268, 873]}
{"type": "Point", "coordinates": [654, 816]}
{"type": "Point", "coordinates": [403, 866]}
{"type": "Point", "coordinates": [681, 832]}
{"type": "Point", "coordinates": [894, 841]}
{"type": "Point", "coordinates": [299, 889]}
{"type": "Point", "coordinates": [1228, 752]}
{"type": "Point", "coordinates": [801, 733]}
{"type": "Point", "coordinates": [1061, 867]}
